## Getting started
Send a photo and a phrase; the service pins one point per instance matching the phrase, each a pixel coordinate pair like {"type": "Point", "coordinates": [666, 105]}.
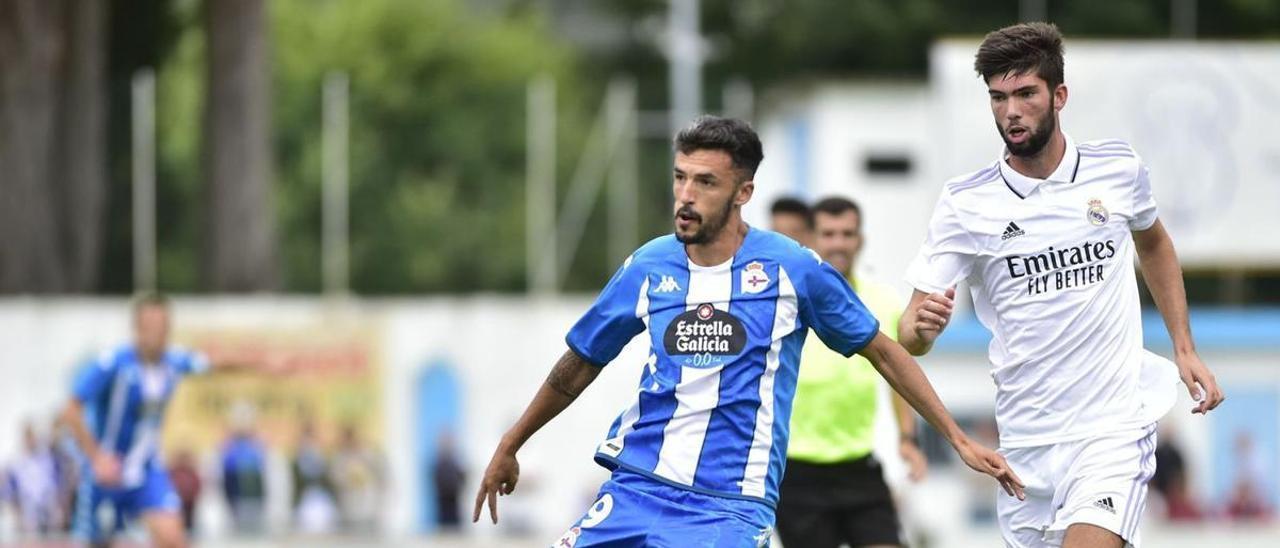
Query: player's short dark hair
{"type": "Point", "coordinates": [1021, 49]}
{"type": "Point", "coordinates": [788, 205]}
{"type": "Point", "coordinates": [734, 137]}
{"type": "Point", "coordinates": [837, 205]}
{"type": "Point", "coordinates": [148, 299]}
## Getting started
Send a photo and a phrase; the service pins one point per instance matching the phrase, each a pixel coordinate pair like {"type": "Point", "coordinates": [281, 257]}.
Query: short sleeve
{"type": "Point", "coordinates": [1144, 202]}
{"type": "Point", "coordinates": [948, 252]}
{"type": "Point", "coordinates": [834, 312]}
{"type": "Point", "coordinates": [189, 362]}
{"type": "Point", "coordinates": [93, 378]}
{"type": "Point", "coordinates": [613, 320]}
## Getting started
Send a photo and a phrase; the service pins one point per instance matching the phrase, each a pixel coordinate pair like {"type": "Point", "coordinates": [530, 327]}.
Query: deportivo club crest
{"type": "Point", "coordinates": [754, 278]}
{"type": "Point", "coordinates": [1096, 214]}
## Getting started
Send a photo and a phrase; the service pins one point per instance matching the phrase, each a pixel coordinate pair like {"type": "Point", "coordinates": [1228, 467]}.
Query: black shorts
{"type": "Point", "coordinates": [826, 505]}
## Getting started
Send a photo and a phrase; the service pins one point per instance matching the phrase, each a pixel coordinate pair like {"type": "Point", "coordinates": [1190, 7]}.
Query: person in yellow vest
{"type": "Point", "coordinates": [834, 492]}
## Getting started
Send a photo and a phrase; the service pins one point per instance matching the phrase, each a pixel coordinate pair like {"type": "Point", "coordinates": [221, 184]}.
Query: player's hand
{"type": "Point", "coordinates": [992, 464]}
{"type": "Point", "coordinates": [917, 464]}
{"type": "Point", "coordinates": [1194, 372]}
{"type": "Point", "coordinates": [934, 314]}
{"type": "Point", "coordinates": [499, 479]}
{"type": "Point", "coordinates": [106, 468]}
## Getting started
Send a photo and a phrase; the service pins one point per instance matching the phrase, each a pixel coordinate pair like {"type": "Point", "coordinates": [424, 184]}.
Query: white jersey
{"type": "Point", "coordinates": [1050, 266]}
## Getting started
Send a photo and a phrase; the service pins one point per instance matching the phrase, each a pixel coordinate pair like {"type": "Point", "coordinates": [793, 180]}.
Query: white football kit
{"type": "Point", "coordinates": [1050, 266]}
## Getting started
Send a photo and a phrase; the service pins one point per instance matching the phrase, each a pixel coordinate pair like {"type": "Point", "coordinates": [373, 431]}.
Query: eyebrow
{"type": "Point", "coordinates": [1029, 87]}
{"type": "Point", "coordinates": [700, 176]}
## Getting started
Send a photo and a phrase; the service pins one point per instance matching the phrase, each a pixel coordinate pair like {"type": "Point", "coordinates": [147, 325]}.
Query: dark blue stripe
{"type": "Point", "coordinates": [642, 446]}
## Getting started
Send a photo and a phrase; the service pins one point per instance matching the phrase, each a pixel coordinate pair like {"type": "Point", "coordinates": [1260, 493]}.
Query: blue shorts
{"type": "Point", "coordinates": [101, 511]}
{"type": "Point", "coordinates": [635, 510]}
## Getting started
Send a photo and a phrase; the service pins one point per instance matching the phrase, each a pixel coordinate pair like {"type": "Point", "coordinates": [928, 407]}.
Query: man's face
{"type": "Point", "coordinates": [838, 239]}
{"type": "Point", "coordinates": [793, 225]}
{"type": "Point", "coordinates": [1025, 111]}
{"type": "Point", "coordinates": [706, 193]}
{"type": "Point", "coordinates": [151, 326]}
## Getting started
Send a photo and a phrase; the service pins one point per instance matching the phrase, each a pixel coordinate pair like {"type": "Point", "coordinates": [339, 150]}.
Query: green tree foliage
{"type": "Point", "coordinates": [437, 142]}
{"type": "Point", "coordinates": [437, 138]}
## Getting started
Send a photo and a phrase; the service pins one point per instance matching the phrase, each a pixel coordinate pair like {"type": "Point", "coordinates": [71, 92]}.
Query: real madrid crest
{"type": "Point", "coordinates": [1096, 214]}
{"type": "Point", "coordinates": [754, 278]}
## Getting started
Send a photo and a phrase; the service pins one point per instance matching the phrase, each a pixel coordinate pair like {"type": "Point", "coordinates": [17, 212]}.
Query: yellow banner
{"type": "Point", "coordinates": [323, 375]}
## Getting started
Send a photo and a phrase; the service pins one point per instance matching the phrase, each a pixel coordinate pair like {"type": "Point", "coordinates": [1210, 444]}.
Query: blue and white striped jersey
{"type": "Point", "coordinates": [712, 408]}
{"type": "Point", "coordinates": [124, 402]}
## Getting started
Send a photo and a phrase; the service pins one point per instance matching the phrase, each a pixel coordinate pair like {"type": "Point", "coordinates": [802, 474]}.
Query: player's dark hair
{"type": "Point", "coordinates": [837, 205]}
{"type": "Point", "coordinates": [788, 205]}
{"type": "Point", "coordinates": [148, 299]}
{"type": "Point", "coordinates": [1022, 49]}
{"type": "Point", "coordinates": [734, 137]}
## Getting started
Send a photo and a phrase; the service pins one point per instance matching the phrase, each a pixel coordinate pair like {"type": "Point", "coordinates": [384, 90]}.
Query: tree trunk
{"type": "Point", "coordinates": [80, 169]}
{"type": "Point", "coordinates": [31, 52]}
{"type": "Point", "coordinates": [239, 236]}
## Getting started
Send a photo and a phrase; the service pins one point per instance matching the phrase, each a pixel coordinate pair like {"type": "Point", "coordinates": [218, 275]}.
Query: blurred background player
{"type": "Point", "coordinates": [33, 486]}
{"type": "Point", "coordinates": [115, 414]}
{"type": "Point", "coordinates": [1046, 237]}
{"type": "Point", "coordinates": [698, 455]}
{"type": "Point", "coordinates": [244, 462]}
{"type": "Point", "coordinates": [834, 492]}
{"type": "Point", "coordinates": [791, 216]}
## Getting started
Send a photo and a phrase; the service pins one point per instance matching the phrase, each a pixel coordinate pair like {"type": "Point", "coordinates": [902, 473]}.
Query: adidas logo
{"type": "Point", "coordinates": [1012, 231]}
{"type": "Point", "coordinates": [667, 285]}
{"type": "Point", "coordinates": [1105, 504]}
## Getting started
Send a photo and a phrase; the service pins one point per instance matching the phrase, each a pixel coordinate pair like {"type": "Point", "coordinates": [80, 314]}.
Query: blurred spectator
{"type": "Point", "coordinates": [1246, 501]}
{"type": "Point", "coordinates": [66, 458]}
{"type": "Point", "coordinates": [792, 217]}
{"type": "Point", "coordinates": [33, 486]}
{"type": "Point", "coordinates": [358, 481]}
{"type": "Point", "coordinates": [243, 466]}
{"type": "Point", "coordinates": [314, 509]}
{"type": "Point", "coordinates": [448, 477]}
{"type": "Point", "coordinates": [1170, 480]}
{"type": "Point", "coordinates": [186, 481]}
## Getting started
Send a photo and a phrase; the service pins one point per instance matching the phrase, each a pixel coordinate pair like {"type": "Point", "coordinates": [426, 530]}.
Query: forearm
{"type": "Point", "coordinates": [73, 416]}
{"type": "Point", "coordinates": [906, 417]}
{"type": "Point", "coordinates": [570, 376]}
{"type": "Point", "coordinates": [907, 379]}
{"type": "Point", "coordinates": [1163, 276]}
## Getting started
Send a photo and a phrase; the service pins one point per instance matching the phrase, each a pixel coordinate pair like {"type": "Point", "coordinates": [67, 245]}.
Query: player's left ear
{"type": "Point", "coordinates": [745, 190]}
{"type": "Point", "coordinates": [1059, 96]}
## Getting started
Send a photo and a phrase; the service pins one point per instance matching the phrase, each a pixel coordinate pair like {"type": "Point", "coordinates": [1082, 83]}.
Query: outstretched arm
{"type": "Point", "coordinates": [570, 376]}
{"type": "Point", "coordinates": [905, 376]}
{"type": "Point", "coordinates": [1163, 275]}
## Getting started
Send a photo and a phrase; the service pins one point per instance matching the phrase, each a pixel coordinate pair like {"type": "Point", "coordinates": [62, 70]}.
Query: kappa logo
{"type": "Point", "coordinates": [667, 285]}
{"type": "Point", "coordinates": [754, 278]}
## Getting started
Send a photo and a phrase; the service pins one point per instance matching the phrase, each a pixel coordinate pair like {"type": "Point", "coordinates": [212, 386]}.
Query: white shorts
{"type": "Point", "coordinates": [1101, 481]}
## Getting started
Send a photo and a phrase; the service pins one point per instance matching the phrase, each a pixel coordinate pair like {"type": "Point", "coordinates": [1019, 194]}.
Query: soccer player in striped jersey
{"type": "Point", "coordinates": [115, 415]}
{"type": "Point", "coordinates": [1046, 236]}
{"type": "Point", "coordinates": [698, 453]}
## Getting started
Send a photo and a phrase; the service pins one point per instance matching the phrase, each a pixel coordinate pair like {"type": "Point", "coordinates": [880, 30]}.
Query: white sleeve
{"type": "Point", "coordinates": [948, 252]}
{"type": "Point", "coordinates": [1144, 203]}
